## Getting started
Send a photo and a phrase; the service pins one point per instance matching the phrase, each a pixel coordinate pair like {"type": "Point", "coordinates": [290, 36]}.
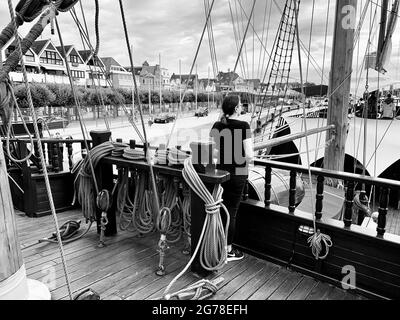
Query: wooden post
{"type": "Point", "coordinates": [292, 191]}
{"type": "Point", "coordinates": [383, 210]}
{"type": "Point", "coordinates": [348, 213]}
{"type": "Point", "coordinates": [10, 251]}
{"type": "Point", "coordinates": [320, 197]}
{"type": "Point", "coordinates": [104, 174]}
{"type": "Point", "coordinates": [339, 83]}
{"type": "Point", "coordinates": [268, 186]}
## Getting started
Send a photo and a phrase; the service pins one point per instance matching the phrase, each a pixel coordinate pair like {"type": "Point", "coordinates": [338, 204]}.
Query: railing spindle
{"type": "Point", "coordinates": [268, 186]}
{"type": "Point", "coordinates": [292, 191]}
{"type": "Point", "coordinates": [70, 150]}
{"type": "Point", "coordinates": [55, 159]}
{"type": "Point", "coordinates": [348, 213]}
{"type": "Point", "coordinates": [50, 153]}
{"type": "Point", "coordinates": [320, 197]}
{"type": "Point", "coordinates": [383, 210]}
{"type": "Point", "coordinates": [83, 150]}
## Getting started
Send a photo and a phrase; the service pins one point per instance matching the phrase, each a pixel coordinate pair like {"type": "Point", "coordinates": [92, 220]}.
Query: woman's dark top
{"type": "Point", "coordinates": [229, 142]}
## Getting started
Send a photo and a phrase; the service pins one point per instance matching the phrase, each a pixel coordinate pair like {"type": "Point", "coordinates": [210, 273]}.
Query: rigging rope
{"type": "Point", "coordinates": [45, 173]}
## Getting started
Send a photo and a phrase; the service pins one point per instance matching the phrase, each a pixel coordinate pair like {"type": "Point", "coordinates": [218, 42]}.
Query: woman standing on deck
{"type": "Point", "coordinates": [234, 148]}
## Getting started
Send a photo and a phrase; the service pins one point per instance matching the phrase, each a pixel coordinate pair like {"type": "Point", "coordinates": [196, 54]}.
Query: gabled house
{"type": "Point", "coordinates": [152, 77]}
{"type": "Point", "coordinates": [76, 63]}
{"type": "Point", "coordinates": [207, 85]}
{"type": "Point", "coordinates": [31, 60]}
{"type": "Point", "coordinates": [184, 81]}
{"type": "Point", "coordinates": [119, 76]}
{"type": "Point", "coordinates": [231, 81]}
{"type": "Point", "coordinates": [95, 69]}
{"type": "Point", "coordinates": [50, 59]}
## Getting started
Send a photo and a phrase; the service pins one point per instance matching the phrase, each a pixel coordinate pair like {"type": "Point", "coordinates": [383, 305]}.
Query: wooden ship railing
{"type": "Point", "coordinates": [27, 179]}
{"type": "Point", "coordinates": [280, 234]}
{"type": "Point", "coordinates": [273, 232]}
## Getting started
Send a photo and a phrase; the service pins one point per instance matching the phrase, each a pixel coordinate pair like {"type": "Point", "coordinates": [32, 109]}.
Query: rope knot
{"type": "Point", "coordinates": [213, 208]}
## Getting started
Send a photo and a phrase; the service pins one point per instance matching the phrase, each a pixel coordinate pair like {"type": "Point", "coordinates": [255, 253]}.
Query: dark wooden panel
{"type": "Point", "coordinates": [271, 233]}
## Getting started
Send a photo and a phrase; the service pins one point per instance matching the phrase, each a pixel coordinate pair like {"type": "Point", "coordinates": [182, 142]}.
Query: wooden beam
{"type": "Point", "coordinates": [10, 250]}
{"type": "Point", "coordinates": [382, 33]}
{"type": "Point", "coordinates": [340, 82]}
{"type": "Point", "coordinates": [291, 137]}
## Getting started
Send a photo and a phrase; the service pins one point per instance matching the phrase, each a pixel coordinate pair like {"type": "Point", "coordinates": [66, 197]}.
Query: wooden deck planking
{"type": "Point", "coordinates": [125, 268]}
{"type": "Point", "coordinates": [267, 272]}
{"type": "Point", "coordinates": [303, 289]}
{"type": "Point", "coordinates": [287, 287]}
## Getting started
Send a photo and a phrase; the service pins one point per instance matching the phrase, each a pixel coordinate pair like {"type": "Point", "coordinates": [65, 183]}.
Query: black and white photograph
{"type": "Point", "coordinates": [200, 156]}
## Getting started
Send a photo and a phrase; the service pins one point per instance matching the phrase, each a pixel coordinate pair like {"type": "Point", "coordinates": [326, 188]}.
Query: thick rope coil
{"type": "Point", "coordinates": [213, 237]}
{"type": "Point", "coordinates": [85, 191]}
{"type": "Point", "coordinates": [177, 157]}
{"type": "Point", "coordinates": [316, 241]}
{"type": "Point", "coordinates": [186, 212]}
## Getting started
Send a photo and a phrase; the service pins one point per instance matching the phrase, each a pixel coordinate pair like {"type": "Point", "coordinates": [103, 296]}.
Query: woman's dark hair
{"type": "Point", "coordinates": [228, 107]}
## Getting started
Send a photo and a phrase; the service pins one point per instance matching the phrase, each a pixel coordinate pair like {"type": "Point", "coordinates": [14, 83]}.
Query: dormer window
{"type": "Point", "coordinates": [29, 56]}
{"type": "Point", "coordinates": [74, 58]}
{"type": "Point", "coordinates": [51, 57]}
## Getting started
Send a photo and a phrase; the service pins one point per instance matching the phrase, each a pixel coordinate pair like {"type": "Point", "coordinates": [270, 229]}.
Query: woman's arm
{"type": "Point", "coordinates": [248, 149]}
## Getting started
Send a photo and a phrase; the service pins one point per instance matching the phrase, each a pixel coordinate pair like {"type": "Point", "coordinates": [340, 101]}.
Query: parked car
{"type": "Point", "coordinates": [164, 118]}
{"type": "Point", "coordinates": [202, 112]}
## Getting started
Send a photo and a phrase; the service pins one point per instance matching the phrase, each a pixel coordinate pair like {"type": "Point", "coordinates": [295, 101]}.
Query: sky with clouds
{"type": "Point", "coordinates": [172, 29]}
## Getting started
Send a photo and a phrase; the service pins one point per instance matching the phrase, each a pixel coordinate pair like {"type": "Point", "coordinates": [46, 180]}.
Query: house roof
{"type": "Point", "coordinates": [39, 45]}
{"type": "Point", "coordinates": [85, 54]}
{"type": "Point", "coordinates": [67, 49]}
{"type": "Point", "coordinates": [227, 77]}
{"type": "Point", "coordinates": [110, 61]}
{"type": "Point", "coordinates": [184, 77]}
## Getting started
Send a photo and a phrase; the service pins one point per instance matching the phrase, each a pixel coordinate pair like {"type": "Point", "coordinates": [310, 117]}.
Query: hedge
{"type": "Point", "coordinates": [55, 95]}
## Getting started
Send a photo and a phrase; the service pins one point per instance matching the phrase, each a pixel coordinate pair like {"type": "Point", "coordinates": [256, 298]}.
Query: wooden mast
{"type": "Point", "coordinates": [340, 82]}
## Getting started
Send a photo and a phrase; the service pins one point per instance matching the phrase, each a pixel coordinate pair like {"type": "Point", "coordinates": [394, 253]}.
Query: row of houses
{"type": "Point", "coordinates": [46, 63]}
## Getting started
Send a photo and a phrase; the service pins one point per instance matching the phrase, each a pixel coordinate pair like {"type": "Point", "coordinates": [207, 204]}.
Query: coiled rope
{"type": "Point", "coordinates": [213, 238]}
{"type": "Point", "coordinates": [85, 192]}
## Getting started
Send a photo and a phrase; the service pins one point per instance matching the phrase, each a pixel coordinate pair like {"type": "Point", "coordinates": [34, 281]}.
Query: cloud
{"type": "Point", "coordinates": [173, 29]}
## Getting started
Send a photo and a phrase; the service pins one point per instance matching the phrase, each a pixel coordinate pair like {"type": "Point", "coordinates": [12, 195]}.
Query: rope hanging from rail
{"type": "Point", "coordinates": [213, 238]}
{"type": "Point", "coordinates": [318, 239]}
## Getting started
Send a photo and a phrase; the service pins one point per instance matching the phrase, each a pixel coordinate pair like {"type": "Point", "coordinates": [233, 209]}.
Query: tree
{"type": "Point", "coordinates": [41, 95]}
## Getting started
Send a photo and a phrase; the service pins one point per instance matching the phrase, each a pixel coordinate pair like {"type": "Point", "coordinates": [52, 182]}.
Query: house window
{"type": "Point", "coordinates": [9, 50]}
{"type": "Point", "coordinates": [74, 59]}
{"type": "Point", "coordinates": [77, 74]}
{"type": "Point", "coordinates": [51, 57]}
{"type": "Point", "coordinates": [29, 56]}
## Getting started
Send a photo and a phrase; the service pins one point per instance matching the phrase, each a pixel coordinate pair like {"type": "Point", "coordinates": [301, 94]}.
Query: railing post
{"type": "Point", "coordinates": [49, 153]}
{"type": "Point", "coordinates": [383, 209]}
{"type": "Point", "coordinates": [267, 191]}
{"type": "Point", "coordinates": [70, 150]}
{"type": "Point", "coordinates": [37, 155]}
{"type": "Point", "coordinates": [348, 213]}
{"type": "Point", "coordinates": [292, 191]}
{"type": "Point", "coordinates": [319, 197]}
{"type": "Point", "coordinates": [84, 151]}
{"type": "Point", "coordinates": [55, 159]}
{"type": "Point", "coordinates": [105, 180]}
